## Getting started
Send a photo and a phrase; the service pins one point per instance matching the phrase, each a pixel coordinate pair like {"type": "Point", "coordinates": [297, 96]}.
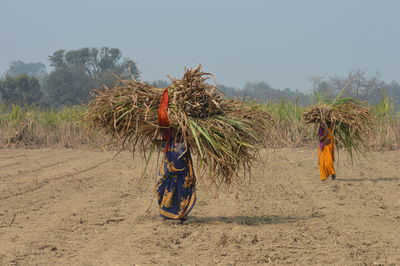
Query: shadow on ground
{"type": "Point", "coordinates": [245, 220]}
{"type": "Point", "coordinates": [382, 179]}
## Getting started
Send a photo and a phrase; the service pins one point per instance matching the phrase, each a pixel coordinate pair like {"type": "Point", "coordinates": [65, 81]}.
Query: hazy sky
{"type": "Point", "coordinates": [279, 41]}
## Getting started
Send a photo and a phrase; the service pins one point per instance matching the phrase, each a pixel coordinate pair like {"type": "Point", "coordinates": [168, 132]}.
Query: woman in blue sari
{"type": "Point", "coordinates": [176, 189]}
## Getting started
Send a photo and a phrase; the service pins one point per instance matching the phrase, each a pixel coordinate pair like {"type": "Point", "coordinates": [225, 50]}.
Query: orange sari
{"type": "Point", "coordinates": [326, 157]}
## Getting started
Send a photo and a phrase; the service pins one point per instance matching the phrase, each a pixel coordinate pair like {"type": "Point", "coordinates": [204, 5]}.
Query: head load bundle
{"type": "Point", "coordinates": [225, 134]}
{"type": "Point", "coordinates": [351, 121]}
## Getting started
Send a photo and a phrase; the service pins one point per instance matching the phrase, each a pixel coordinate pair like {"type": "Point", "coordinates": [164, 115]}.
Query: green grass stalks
{"type": "Point", "coordinates": [64, 127]}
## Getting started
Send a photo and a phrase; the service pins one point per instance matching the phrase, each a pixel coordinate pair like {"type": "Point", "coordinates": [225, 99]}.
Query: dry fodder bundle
{"type": "Point", "coordinates": [128, 111]}
{"type": "Point", "coordinates": [352, 120]}
{"type": "Point", "coordinates": [225, 134]}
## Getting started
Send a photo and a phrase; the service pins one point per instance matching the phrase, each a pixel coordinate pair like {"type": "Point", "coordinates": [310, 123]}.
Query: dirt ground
{"type": "Point", "coordinates": [79, 207]}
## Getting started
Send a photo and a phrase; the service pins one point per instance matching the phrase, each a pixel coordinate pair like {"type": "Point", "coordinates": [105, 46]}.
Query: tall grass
{"type": "Point", "coordinates": [24, 125]}
{"type": "Point", "coordinates": [289, 130]}
{"type": "Point", "coordinates": [31, 126]}
{"type": "Point", "coordinates": [387, 134]}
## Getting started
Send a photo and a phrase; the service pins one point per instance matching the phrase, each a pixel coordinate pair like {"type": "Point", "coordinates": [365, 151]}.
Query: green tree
{"type": "Point", "coordinates": [31, 69]}
{"type": "Point", "coordinates": [95, 61]}
{"type": "Point", "coordinates": [355, 84]}
{"type": "Point", "coordinates": [258, 89]}
{"type": "Point", "coordinates": [394, 91]}
{"type": "Point", "coordinates": [21, 89]}
{"type": "Point", "coordinates": [228, 91]}
{"type": "Point", "coordinates": [160, 83]}
{"type": "Point", "coordinates": [67, 86]}
{"type": "Point", "coordinates": [76, 72]}
{"type": "Point", "coordinates": [263, 91]}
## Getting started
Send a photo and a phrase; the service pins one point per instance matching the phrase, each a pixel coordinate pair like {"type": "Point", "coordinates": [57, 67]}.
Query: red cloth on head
{"type": "Point", "coordinates": [163, 110]}
{"type": "Point", "coordinates": [163, 118]}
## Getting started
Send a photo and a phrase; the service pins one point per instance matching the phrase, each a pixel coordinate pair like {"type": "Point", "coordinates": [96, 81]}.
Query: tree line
{"type": "Point", "coordinates": [356, 84]}
{"type": "Point", "coordinates": [74, 73]}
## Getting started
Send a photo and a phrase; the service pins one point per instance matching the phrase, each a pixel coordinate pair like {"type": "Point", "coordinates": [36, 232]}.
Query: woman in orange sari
{"type": "Point", "coordinates": [326, 156]}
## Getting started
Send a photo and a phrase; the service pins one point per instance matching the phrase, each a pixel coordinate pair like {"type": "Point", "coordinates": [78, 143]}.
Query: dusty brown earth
{"type": "Point", "coordinates": [77, 207]}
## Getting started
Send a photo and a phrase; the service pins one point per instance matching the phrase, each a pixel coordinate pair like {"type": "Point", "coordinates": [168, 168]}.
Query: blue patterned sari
{"type": "Point", "coordinates": [176, 188]}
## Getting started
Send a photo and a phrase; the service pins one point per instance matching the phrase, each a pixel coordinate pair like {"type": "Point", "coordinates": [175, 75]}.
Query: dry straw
{"type": "Point", "coordinates": [225, 134]}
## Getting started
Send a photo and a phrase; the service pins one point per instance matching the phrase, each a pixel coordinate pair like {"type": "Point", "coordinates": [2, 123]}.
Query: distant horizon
{"type": "Point", "coordinates": [283, 43]}
{"type": "Point", "coordinates": [306, 90]}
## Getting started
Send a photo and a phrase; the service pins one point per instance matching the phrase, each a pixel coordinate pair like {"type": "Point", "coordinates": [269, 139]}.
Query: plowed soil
{"type": "Point", "coordinates": [81, 207]}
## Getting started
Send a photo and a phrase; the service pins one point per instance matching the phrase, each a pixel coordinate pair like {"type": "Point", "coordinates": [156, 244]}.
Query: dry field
{"type": "Point", "coordinates": [79, 207]}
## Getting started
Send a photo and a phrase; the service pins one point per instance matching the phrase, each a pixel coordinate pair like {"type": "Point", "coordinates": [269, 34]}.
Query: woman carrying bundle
{"type": "Point", "coordinates": [176, 188]}
{"type": "Point", "coordinates": [326, 155]}
{"type": "Point", "coordinates": [224, 133]}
